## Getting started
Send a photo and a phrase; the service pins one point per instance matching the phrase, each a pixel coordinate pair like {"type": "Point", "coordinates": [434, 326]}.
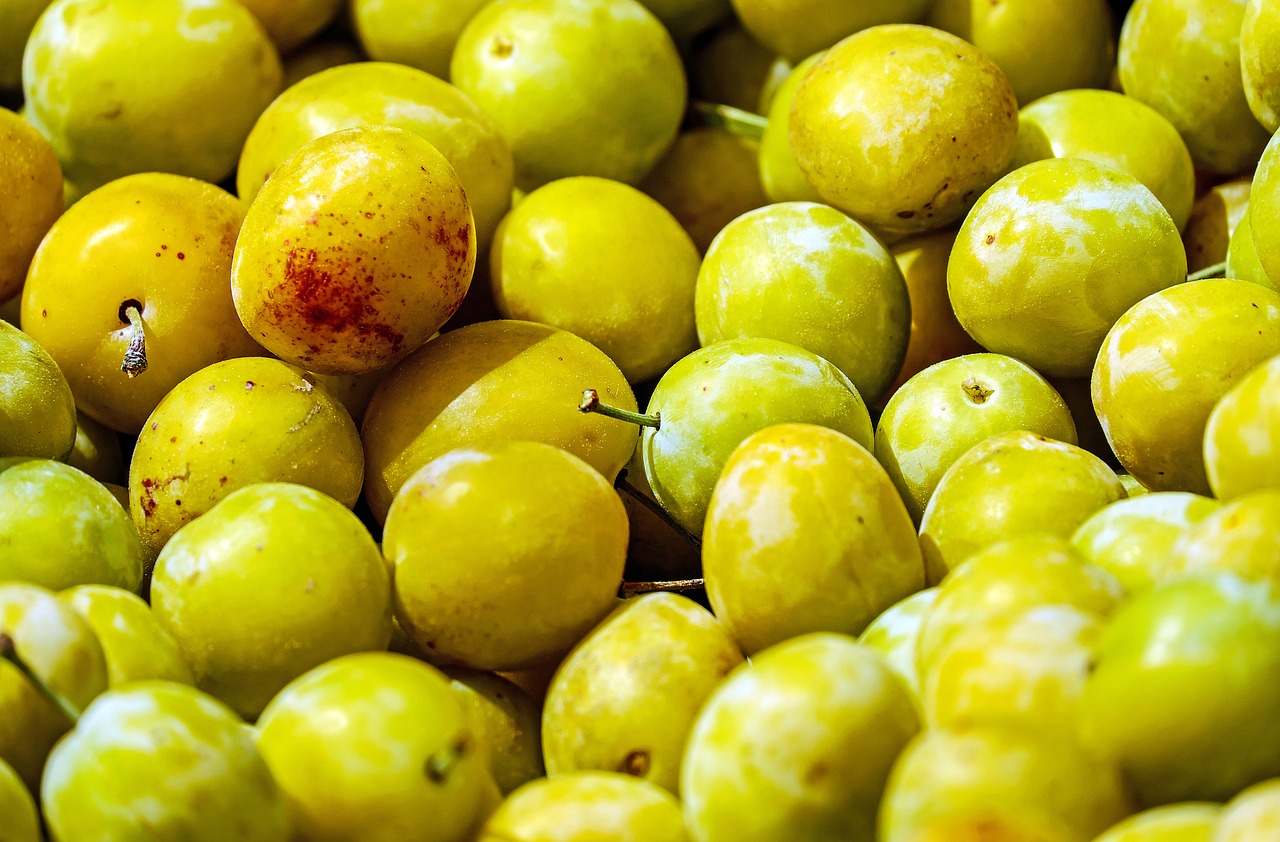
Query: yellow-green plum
{"type": "Point", "coordinates": [1242, 437]}
{"type": "Point", "coordinates": [511, 724]}
{"type": "Point", "coordinates": [1198, 660]}
{"type": "Point", "coordinates": [1253, 814]}
{"type": "Point", "coordinates": [291, 23]}
{"type": "Point", "coordinates": [61, 649]}
{"type": "Point", "coordinates": [31, 182]}
{"type": "Point", "coordinates": [780, 174]}
{"type": "Point", "coordinates": [315, 57]}
{"type": "Point", "coordinates": [353, 391]}
{"type": "Point", "coordinates": [686, 18]}
{"type": "Point", "coordinates": [903, 127]}
{"type": "Point", "coordinates": [1164, 66]}
{"type": "Point", "coordinates": [707, 179]}
{"type": "Point", "coordinates": [807, 274]}
{"type": "Point", "coordinates": [587, 807]}
{"type": "Point", "coordinates": [137, 272]}
{"type": "Point", "coordinates": [1041, 47]}
{"type": "Point", "coordinates": [1012, 484]}
{"type": "Point", "coordinates": [488, 382]}
{"type": "Point", "coordinates": [1187, 822]}
{"type": "Point", "coordinates": [418, 34]}
{"type": "Point", "coordinates": [1240, 537]}
{"type": "Point", "coordinates": [1214, 217]}
{"type": "Point", "coordinates": [17, 19]}
{"type": "Point", "coordinates": [1264, 208]}
{"type": "Point", "coordinates": [708, 402]}
{"type": "Point", "coordinates": [991, 824]}
{"type": "Point", "coordinates": [798, 28]}
{"type": "Point", "coordinates": [894, 634]}
{"type": "Point", "coordinates": [1115, 130]}
{"type": "Point", "coordinates": [21, 821]}
{"type": "Point", "coordinates": [1260, 61]}
{"type": "Point", "coordinates": [163, 756]}
{"type": "Point", "coordinates": [381, 93]}
{"type": "Point", "coordinates": [949, 407]}
{"type": "Point", "coordinates": [485, 573]}
{"type": "Point", "coordinates": [374, 747]}
{"type": "Point", "coordinates": [229, 426]}
{"type": "Point", "coordinates": [1167, 362]}
{"type": "Point", "coordinates": [97, 451]}
{"type": "Point", "coordinates": [331, 278]}
{"type": "Point", "coordinates": [577, 87]}
{"type": "Point", "coordinates": [805, 533]}
{"type": "Point", "coordinates": [37, 409]}
{"type": "Point", "coordinates": [296, 561]}
{"type": "Point", "coordinates": [605, 262]}
{"type": "Point", "coordinates": [1037, 779]}
{"type": "Point", "coordinates": [733, 68]}
{"type": "Point", "coordinates": [136, 648]}
{"type": "Point", "coordinates": [1055, 253]}
{"type": "Point", "coordinates": [1132, 539]}
{"type": "Point", "coordinates": [60, 527]}
{"type": "Point", "coordinates": [151, 86]}
{"type": "Point", "coordinates": [626, 697]}
{"type": "Point", "coordinates": [797, 744]}
{"type": "Point", "coordinates": [1243, 262]}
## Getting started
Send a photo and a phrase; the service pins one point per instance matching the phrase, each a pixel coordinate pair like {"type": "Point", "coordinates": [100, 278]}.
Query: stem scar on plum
{"type": "Point", "coordinates": [135, 356]}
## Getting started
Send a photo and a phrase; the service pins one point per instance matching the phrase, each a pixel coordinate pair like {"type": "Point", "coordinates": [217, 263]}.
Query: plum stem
{"type": "Point", "coordinates": [660, 513]}
{"type": "Point", "coordinates": [1217, 270]}
{"type": "Point", "coordinates": [135, 356]}
{"type": "Point", "coordinates": [9, 652]}
{"type": "Point", "coordinates": [591, 403]}
{"type": "Point", "coordinates": [735, 121]}
{"type": "Point", "coordinates": [976, 391]}
{"type": "Point", "coordinates": [629, 589]}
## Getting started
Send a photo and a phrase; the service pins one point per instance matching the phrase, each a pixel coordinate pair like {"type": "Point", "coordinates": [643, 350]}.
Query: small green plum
{"type": "Point", "coordinates": [587, 807]}
{"type": "Point", "coordinates": [21, 821]}
{"type": "Point", "coordinates": [1264, 208]}
{"type": "Point", "coordinates": [895, 633]}
{"type": "Point", "coordinates": [626, 697]}
{"type": "Point", "coordinates": [1260, 61]}
{"type": "Point", "coordinates": [291, 23]}
{"type": "Point", "coordinates": [780, 173]}
{"type": "Point", "coordinates": [1242, 437]}
{"type": "Point", "coordinates": [135, 646]}
{"type": "Point", "coordinates": [1187, 822]}
{"type": "Point", "coordinates": [512, 725]}
{"type": "Point", "coordinates": [296, 561]}
{"type": "Point", "coordinates": [805, 533]}
{"type": "Point", "coordinates": [411, 32]}
{"type": "Point", "coordinates": [1243, 262]}
{"type": "Point", "coordinates": [797, 744]}
{"type": "Point", "coordinates": [31, 182]}
{"type": "Point", "coordinates": [1214, 217]}
{"type": "Point", "coordinates": [37, 409]}
{"type": "Point", "coordinates": [1240, 537]}
{"type": "Point", "coordinates": [798, 28]}
{"type": "Point", "coordinates": [97, 451]}
{"type": "Point", "coordinates": [1252, 815]}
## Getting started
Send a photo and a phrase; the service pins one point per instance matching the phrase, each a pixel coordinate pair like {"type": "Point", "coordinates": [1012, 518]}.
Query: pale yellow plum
{"type": "Point", "coordinates": [37, 409]}
{"type": "Point", "coordinates": [798, 28]}
{"type": "Point", "coordinates": [1243, 262]}
{"type": "Point", "coordinates": [1260, 61]}
{"type": "Point", "coordinates": [1252, 815]}
{"type": "Point", "coordinates": [1167, 362]}
{"type": "Point", "coordinates": [1012, 484]}
{"type": "Point", "coordinates": [895, 634]}
{"type": "Point", "coordinates": [587, 807]}
{"type": "Point", "coordinates": [31, 182]}
{"type": "Point", "coordinates": [1133, 538]}
{"type": "Point", "coordinates": [797, 744]}
{"type": "Point", "coordinates": [780, 173]}
{"type": "Point", "coordinates": [293, 22]}
{"type": "Point", "coordinates": [1214, 218]}
{"type": "Point", "coordinates": [97, 451]}
{"type": "Point", "coordinates": [511, 721]}
{"type": "Point", "coordinates": [135, 646]}
{"type": "Point", "coordinates": [21, 821]}
{"type": "Point", "coordinates": [805, 533]}
{"type": "Point", "coordinates": [1187, 822]}
{"type": "Point", "coordinates": [626, 697]}
{"type": "Point", "coordinates": [732, 68]}
{"type": "Point", "coordinates": [1240, 537]}
{"type": "Point", "coordinates": [418, 34]}
{"type": "Point", "coordinates": [1264, 208]}
{"type": "Point", "coordinates": [1242, 438]}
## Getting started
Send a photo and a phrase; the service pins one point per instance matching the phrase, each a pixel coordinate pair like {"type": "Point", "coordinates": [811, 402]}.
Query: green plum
{"type": "Point", "coordinates": [953, 405]}
{"type": "Point", "coordinates": [411, 32]}
{"type": "Point", "coordinates": [21, 821]}
{"type": "Point", "coordinates": [485, 573]}
{"type": "Point", "coordinates": [63, 652]}
{"type": "Point", "coordinates": [374, 747]}
{"type": "Point", "coordinates": [1242, 437]}
{"type": "Point", "coordinates": [97, 451]}
{"type": "Point", "coordinates": [807, 274]}
{"type": "Point", "coordinates": [1131, 485]}
{"type": "Point", "coordinates": [31, 182]}
{"type": "Point", "coordinates": [780, 173]}
{"type": "Point", "coordinates": [1167, 362]}
{"type": "Point", "coordinates": [165, 757]}
{"type": "Point", "coordinates": [298, 563]}
{"type": "Point", "coordinates": [135, 646]}
{"type": "Point", "coordinates": [1055, 253]}
{"type": "Point", "coordinates": [732, 68]}
{"type": "Point", "coordinates": [587, 807]}
{"type": "Point", "coordinates": [805, 533]}
{"type": "Point", "coordinates": [1185, 689]}
{"type": "Point", "coordinates": [1193, 80]}
{"type": "Point", "coordinates": [1042, 47]}
{"type": "Point", "coordinates": [489, 382]}
{"type": "Point", "coordinates": [1260, 61]}
{"type": "Point", "coordinates": [1039, 780]}
{"type": "Point", "coordinates": [990, 825]}
{"type": "Point", "coordinates": [686, 18]}
{"type": "Point", "coordinates": [1115, 130]}
{"type": "Point", "coordinates": [797, 744]}
{"type": "Point", "coordinates": [930, 125]}
{"type": "Point", "coordinates": [577, 87]}
{"type": "Point", "coordinates": [798, 28]}
{"type": "Point", "coordinates": [380, 93]}
{"type": "Point", "coordinates": [626, 697]}
{"type": "Point", "coordinates": [37, 409]}
{"type": "Point", "coordinates": [1214, 218]}
{"type": "Point", "coordinates": [1252, 815]}
{"type": "Point", "coordinates": [601, 260]}
{"type": "Point", "coordinates": [353, 391]}
{"type": "Point", "coordinates": [1240, 537]}
{"type": "Point", "coordinates": [233, 424]}
{"type": "Point", "coordinates": [1012, 484]}
{"type": "Point", "coordinates": [17, 19]}
{"type": "Point", "coordinates": [150, 86]}
{"type": "Point", "coordinates": [60, 527]}
{"type": "Point", "coordinates": [1132, 538]}
{"type": "Point", "coordinates": [1187, 822]}
{"type": "Point", "coordinates": [895, 634]}
{"type": "Point", "coordinates": [1243, 262]}
{"type": "Point", "coordinates": [707, 179]}
{"type": "Point", "coordinates": [291, 23]}
{"type": "Point", "coordinates": [512, 725]}
{"type": "Point", "coordinates": [1264, 208]}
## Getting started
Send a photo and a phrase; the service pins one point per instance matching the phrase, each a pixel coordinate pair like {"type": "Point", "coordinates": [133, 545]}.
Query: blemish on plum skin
{"type": "Point", "coordinates": [181, 256]}
{"type": "Point", "coordinates": [336, 303]}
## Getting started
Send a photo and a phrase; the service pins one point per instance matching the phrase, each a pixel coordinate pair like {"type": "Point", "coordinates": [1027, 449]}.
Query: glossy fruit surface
{"type": "Point", "coordinates": [1242, 436]}
{"type": "Point", "coordinates": [799, 28]}
{"type": "Point", "coordinates": [1243, 262]}
{"type": "Point", "coordinates": [1264, 209]}
{"type": "Point", "coordinates": [805, 533]}
{"type": "Point", "coordinates": [332, 279]}
{"type": "Point", "coordinates": [1260, 62]}
{"type": "Point", "coordinates": [585, 807]}
{"type": "Point", "coordinates": [407, 32]}
{"type": "Point", "coordinates": [511, 722]}
{"type": "Point", "coordinates": [1253, 814]}
{"type": "Point", "coordinates": [780, 174]}
{"type": "Point", "coordinates": [31, 182]}
{"type": "Point", "coordinates": [292, 22]}
{"type": "Point", "coordinates": [1240, 538]}
{"type": "Point", "coordinates": [136, 648]}
{"type": "Point", "coordinates": [895, 633]}
{"type": "Point", "coordinates": [298, 562]}
{"type": "Point", "coordinates": [932, 127]}
{"type": "Point", "coordinates": [21, 821]}
{"type": "Point", "coordinates": [37, 410]}
{"type": "Point", "coordinates": [1187, 822]}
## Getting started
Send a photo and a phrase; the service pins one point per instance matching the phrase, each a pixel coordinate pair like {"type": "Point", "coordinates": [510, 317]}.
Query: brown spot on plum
{"type": "Point", "coordinates": [181, 256]}
{"type": "Point", "coordinates": [327, 297]}
{"type": "Point", "coordinates": [906, 214]}
{"type": "Point", "coordinates": [989, 239]}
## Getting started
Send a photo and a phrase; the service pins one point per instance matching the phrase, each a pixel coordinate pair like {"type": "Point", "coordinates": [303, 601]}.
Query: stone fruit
{"type": "Point", "coordinates": [1214, 217]}
{"type": "Point", "coordinates": [17, 18]}
{"type": "Point", "coordinates": [21, 821]}
{"type": "Point", "coordinates": [686, 18]}
{"type": "Point", "coordinates": [37, 410]}
{"type": "Point", "coordinates": [1260, 62]}
{"type": "Point", "coordinates": [296, 561]}
{"type": "Point", "coordinates": [317, 56]}
{"type": "Point", "coordinates": [1190, 822]}
{"type": "Point", "coordinates": [229, 426]}
{"type": "Point", "coordinates": [895, 633]}
{"type": "Point", "coordinates": [1243, 262]}
{"type": "Point", "coordinates": [129, 292]}
{"type": "Point", "coordinates": [805, 533]}
{"type": "Point", "coordinates": [1240, 538]}
{"type": "Point", "coordinates": [333, 279]}
{"type": "Point", "coordinates": [1155, 381]}
{"type": "Point", "coordinates": [512, 724]}
{"type": "Point", "coordinates": [796, 744]}
{"type": "Point", "coordinates": [1242, 437]}
{"type": "Point", "coordinates": [734, 69]}
{"type": "Point", "coordinates": [491, 382]}
{"type": "Point", "coordinates": [374, 746]}
{"type": "Point", "coordinates": [136, 648]}
{"type": "Point", "coordinates": [806, 274]}
{"type": "Point", "coordinates": [780, 173]}
{"type": "Point", "coordinates": [1253, 814]}
{"type": "Point", "coordinates": [932, 125]}
{"type": "Point", "coordinates": [585, 807]}
{"type": "Point", "coordinates": [408, 32]}
{"type": "Point", "coordinates": [31, 182]}
{"type": "Point", "coordinates": [1264, 209]}
{"type": "Point", "coordinates": [97, 451]}
{"type": "Point", "coordinates": [291, 23]}
{"type": "Point", "coordinates": [798, 28]}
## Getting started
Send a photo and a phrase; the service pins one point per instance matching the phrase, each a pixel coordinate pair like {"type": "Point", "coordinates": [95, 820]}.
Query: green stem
{"type": "Point", "coordinates": [629, 589]}
{"type": "Point", "coordinates": [735, 121]}
{"type": "Point", "coordinates": [135, 356]}
{"type": "Point", "coordinates": [1217, 270]}
{"type": "Point", "coordinates": [591, 403]}
{"type": "Point", "coordinates": [9, 652]}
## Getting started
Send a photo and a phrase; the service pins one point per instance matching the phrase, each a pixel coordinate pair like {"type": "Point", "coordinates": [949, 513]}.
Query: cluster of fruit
{"type": "Point", "coordinates": [328, 511]}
